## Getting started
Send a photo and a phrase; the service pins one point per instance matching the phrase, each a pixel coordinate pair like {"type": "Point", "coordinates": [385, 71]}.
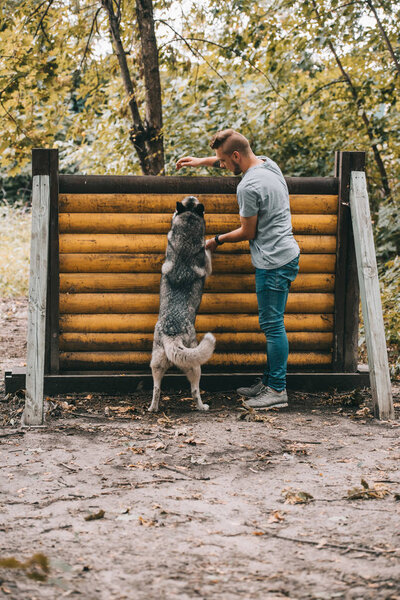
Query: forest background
{"type": "Point", "coordinates": [130, 86]}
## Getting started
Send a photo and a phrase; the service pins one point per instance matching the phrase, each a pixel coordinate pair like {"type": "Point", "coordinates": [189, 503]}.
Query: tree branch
{"type": "Point", "coordinates": [314, 93]}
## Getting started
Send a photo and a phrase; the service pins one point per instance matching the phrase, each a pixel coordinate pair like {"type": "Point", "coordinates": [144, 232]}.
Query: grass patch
{"type": "Point", "coordinates": [15, 231]}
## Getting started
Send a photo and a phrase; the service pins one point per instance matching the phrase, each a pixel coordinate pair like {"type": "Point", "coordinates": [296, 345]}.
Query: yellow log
{"type": "Point", "coordinates": [152, 263]}
{"type": "Point", "coordinates": [71, 243]}
{"type": "Point", "coordinates": [244, 342]}
{"type": "Point", "coordinates": [161, 223]}
{"type": "Point", "coordinates": [135, 360]}
{"type": "Point", "coordinates": [129, 323]}
{"type": "Point", "coordinates": [211, 303]}
{"type": "Point", "coordinates": [150, 282]}
{"type": "Point", "coordinates": [166, 203]}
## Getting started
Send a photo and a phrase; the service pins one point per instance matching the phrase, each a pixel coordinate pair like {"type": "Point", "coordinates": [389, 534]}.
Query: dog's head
{"type": "Point", "coordinates": [190, 205]}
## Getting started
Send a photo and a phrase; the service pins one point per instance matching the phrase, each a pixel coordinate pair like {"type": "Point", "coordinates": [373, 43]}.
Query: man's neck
{"type": "Point", "coordinates": [251, 161]}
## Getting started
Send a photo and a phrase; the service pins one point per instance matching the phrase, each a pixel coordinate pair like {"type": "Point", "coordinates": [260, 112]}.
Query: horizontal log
{"type": "Point", "coordinates": [166, 203]}
{"type": "Point", "coordinates": [123, 184]}
{"type": "Point", "coordinates": [129, 323]}
{"type": "Point", "coordinates": [152, 263]}
{"type": "Point", "coordinates": [231, 342]}
{"type": "Point", "coordinates": [161, 223]}
{"type": "Point", "coordinates": [101, 243]}
{"type": "Point", "coordinates": [150, 282]}
{"type": "Point", "coordinates": [135, 360]}
{"type": "Point", "coordinates": [210, 304]}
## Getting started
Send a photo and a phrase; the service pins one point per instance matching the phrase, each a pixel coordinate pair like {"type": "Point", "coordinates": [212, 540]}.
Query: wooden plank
{"type": "Point", "coordinates": [161, 223]}
{"type": "Point", "coordinates": [100, 243]}
{"type": "Point", "coordinates": [232, 341]}
{"type": "Point", "coordinates": [105, 184]}
{"type": "Point", "coordinates": [53, 284]}
{"type": "Point", "coordinates": [134, 360]}
{"type": "Point", "coordinates": [370, 297]}
{"type": "Point", "coordinates": [346, 284]}
{"type": "Point", "coordinates": [216, 323]}
{"type": "Point", "coordinates": [150, 282]}
{"type": "Point", "coordinates": [127, 382]}
{"type": "Point", "coordinates": [33, 413]}
{"type": "Point", "coordinates": [166, 203]}
{"type": "Point", "coordinates": [152, 263]}
{"type": "Point", "coordinates": [211, 303]}
{"type": "Point", "coordinates": [352, 294]}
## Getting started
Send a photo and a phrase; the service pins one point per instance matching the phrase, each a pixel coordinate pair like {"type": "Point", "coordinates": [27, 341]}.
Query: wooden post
{"type": "Point", "coordinates": [36, 341]}
{"type": "Point", "coordinates": [347, 295]}
{"type": "Point", "coordinates": [370, 297]}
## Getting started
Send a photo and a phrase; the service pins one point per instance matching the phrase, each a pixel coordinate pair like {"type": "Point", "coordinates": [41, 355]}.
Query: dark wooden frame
{"type": "Point", "coordinates": [342, 375]}
{"type": "Point", "coordinates": [347, 295]}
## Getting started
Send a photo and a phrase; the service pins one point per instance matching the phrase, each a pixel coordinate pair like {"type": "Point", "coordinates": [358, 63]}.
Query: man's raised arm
{"type": "Point", "coordinates": [192, 161]}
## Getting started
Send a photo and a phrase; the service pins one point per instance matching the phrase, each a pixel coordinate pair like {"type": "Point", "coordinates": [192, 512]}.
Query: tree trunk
{"type": "Point", "coordinates": [154, 139]}
{"type": "Point", "coordinates": [146, 136]}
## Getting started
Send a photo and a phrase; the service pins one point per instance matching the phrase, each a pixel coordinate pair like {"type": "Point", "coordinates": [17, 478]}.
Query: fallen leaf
{"type": "Point", "coordinates": [296, 497]}
{"type": "Point", "coordinates": [275, 517]}
{"type": "Point", "coordinates": [95, 516]}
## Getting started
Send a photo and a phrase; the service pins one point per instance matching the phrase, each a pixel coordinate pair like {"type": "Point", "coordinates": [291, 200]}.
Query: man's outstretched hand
{"type": "Point", "coordinates": [188, 161]}
{"type": "Point", "coordinates": [211, 245]}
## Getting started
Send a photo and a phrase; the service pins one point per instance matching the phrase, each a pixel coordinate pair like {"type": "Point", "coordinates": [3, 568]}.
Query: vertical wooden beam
{"type": "Point", "coordinates": [53, 285]}
{"type": "Point", "coordinates": [370, 297]}
{"type": "Point", "coordinates": [36, 342]}
{"type": "Point", "coordinates": [45, 162]}
{"type": "Point", "coordinates": [347, 295]}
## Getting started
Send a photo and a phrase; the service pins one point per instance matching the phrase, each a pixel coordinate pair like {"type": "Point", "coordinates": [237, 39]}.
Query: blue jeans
{"type": "Point", "coordinates": [272, 287]}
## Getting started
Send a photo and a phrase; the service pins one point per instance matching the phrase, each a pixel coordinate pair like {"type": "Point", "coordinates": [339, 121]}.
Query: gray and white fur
{"type": "Point", "coordinates": [186, 266]}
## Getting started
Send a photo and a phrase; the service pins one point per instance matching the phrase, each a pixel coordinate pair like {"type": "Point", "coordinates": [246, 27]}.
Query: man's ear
{"type": "Point", "coordinates": [199, 209]}
{"type": "Point", "coordinates": [180, 208]}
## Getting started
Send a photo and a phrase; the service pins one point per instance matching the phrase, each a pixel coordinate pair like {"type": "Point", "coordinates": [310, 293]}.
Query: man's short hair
{"type": "Point", "coordinates": [231, 141]}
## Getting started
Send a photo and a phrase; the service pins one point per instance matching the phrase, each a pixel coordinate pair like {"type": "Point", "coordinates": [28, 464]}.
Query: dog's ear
{"type": "Point", "coordinates": [199, 209]}
{"type": "Point", "coordinates": [180, 208]}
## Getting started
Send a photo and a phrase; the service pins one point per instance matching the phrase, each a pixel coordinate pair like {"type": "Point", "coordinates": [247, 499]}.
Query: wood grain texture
{"type": "Point", "coordinates": [370, 297]}
{"type": "Point", "coordinates": [36, 342]}
{"type": "Point", "coordinates": [150, 282]}
{"type": "Point", "coordinates": [133, 360]}
{"type": "Point", "coordinates": [166, 203]}
{"type": "Point", "coordinates": [161, 223]}
{"type": "Point", "coordinates": [132, 323]}
{"type": "Point", "coordinates": [100, 243]}
{"type": "Point", "coordinates": [232, 341]}
{"type": "Point", "coordinates": [152, 263]}
{"type": "Point", "coordinates": [211, 303]}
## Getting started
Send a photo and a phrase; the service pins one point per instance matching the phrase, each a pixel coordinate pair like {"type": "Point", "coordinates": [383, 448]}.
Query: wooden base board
{"type": "Point", "coordinates": [110, 383]}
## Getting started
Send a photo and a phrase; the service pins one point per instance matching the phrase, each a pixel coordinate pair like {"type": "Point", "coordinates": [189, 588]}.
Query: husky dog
{"type": "Point", "coordinates": [187, 264]}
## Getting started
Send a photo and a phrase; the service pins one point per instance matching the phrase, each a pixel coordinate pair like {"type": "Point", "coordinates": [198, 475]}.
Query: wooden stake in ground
{"type": "Point", "coordinates": [33, 414]}
{"type": "Point", "coordinates": [370, 297]}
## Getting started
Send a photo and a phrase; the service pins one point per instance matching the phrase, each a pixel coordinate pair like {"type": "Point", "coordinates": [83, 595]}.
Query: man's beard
{"type": "Point", "coordinates": [237, 170]}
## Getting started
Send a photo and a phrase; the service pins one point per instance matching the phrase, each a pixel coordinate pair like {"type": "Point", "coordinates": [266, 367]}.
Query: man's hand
{"type": "Point", "coordinates": [188, 161]}
{"type": "Point", "coordinates": [211, 245]}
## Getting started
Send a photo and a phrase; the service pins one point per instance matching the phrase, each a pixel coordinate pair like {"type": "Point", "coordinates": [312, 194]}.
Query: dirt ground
{"type": "Point", "coordinates": [299, 503]}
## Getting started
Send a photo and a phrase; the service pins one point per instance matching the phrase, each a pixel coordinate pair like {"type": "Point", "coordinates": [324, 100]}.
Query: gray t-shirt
{"type": "Point", "coordinates": [263, 192]}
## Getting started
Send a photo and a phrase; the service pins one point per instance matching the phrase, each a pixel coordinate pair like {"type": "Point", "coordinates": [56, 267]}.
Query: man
{"type": "Point", "coordinates": [264, 211]}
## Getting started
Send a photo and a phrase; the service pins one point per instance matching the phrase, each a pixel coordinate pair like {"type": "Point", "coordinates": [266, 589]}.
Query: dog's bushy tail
{"type": "Point", "coordinates": [184, 357]}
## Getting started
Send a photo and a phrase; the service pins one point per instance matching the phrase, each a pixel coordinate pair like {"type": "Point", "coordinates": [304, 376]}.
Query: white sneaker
{"type": "Point", "coordinates": [268, 398]}
{"type": "Point", "coordinates": [253, 390]}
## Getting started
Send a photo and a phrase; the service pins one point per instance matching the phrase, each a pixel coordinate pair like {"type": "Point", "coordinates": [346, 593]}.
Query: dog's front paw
{"type": "Point", "coordinates": [152, 409]}
{"type": "Point", "coordinates": [203, 407]}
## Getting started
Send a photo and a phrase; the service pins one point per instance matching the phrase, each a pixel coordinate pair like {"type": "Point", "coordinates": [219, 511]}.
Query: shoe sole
{"type": "Point", "coordinates": [281, 405]}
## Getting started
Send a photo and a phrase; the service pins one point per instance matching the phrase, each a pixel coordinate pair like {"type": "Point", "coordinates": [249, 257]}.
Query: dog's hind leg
{"type": "Point", "coordinates": [159, 364]}
{"type": "Point", "coordinates": [193, 375]}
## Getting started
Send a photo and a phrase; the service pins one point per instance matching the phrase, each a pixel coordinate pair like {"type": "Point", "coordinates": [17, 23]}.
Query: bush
{"type": "Point", "coordinates": [15, 231]}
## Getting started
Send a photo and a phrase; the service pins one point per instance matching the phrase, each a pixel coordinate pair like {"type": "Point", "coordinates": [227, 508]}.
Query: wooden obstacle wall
{"type": "Point", "coordinates": [108, 236]}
